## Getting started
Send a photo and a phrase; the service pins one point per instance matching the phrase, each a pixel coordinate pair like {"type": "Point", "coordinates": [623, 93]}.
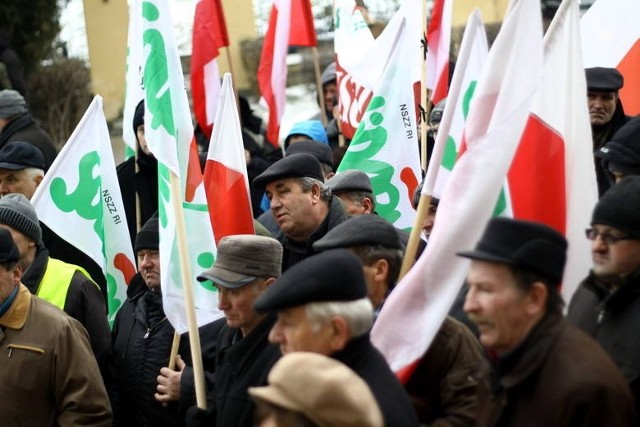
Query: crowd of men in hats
{"type": "Point", "coordinates": [300, 297]}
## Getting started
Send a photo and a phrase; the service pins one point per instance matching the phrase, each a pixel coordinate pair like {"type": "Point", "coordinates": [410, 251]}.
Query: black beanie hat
{"type": "Point", "coordinates": [619, 207]}
{"type": "Point", "coordinates": [149, 235]}
{"type": "Point", "coordinates": [138, 117]}
{"type": "Point", "coordinates": [622, 153]}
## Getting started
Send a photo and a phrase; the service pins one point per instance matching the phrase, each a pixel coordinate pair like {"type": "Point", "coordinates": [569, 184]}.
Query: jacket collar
{"type": "Point", "coordinates": [355, 350]}
{"type": "Point", "coordinates": [626, 291]}
{"type": "Point", "coordinates": [241, 351]}
{"type": "Point", "coordinates": [33, 275]}
{"type": "Point", "coordinates": [16, 316]}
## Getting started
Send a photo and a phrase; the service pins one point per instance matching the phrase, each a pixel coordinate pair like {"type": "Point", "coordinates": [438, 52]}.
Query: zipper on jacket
{"type": "Point", "coordinates": [601, 315]}
{"type": "Point", "coordinates": [149, 329]}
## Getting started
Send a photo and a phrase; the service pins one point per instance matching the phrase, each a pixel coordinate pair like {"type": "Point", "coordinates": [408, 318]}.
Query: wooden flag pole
{"type": "Point", "coordinates": [173, 356]}
{"type": "Point", "coordinates": [412, 245]}
{"type": "Point", "coordinates": [316, 68]}
{"type": "Point", "coordinates": [424, 99]}
{"type": "Point", "coordinates": [187, 280]}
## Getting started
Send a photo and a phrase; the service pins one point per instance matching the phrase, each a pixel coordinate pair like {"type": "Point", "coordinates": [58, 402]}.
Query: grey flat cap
{"type": "Point", "coordinates": [346, 182]}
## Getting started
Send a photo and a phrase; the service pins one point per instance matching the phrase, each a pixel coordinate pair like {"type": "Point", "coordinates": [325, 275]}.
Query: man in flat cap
{"type": "Point", "coordinates": [322, 307]}
{"type": "Point", "coordinates": [21, 168]}
{"type": "Point", "coordinates": [301, 204]}
{"type": "Point", "coordinates": [541, 371]}
{"type": "Point", "coordinates": [354, 189]}
{"type": "Point", "coordinates": [246, 265]}
{"type": "Point", "coordinates": [605, 112]}
{"type": "Point", "coordinates": [309, 389]}
{"type": "Point", "coordinates": [16, 124]}
{"type": "Point", "coordinates": [48, 374]}
{"type": "Point", "coordinates": [621, 155]}
{"type": "Point", "coordinates": [607, 303]}
{"type": "Point", "coordinates": [440, 388]}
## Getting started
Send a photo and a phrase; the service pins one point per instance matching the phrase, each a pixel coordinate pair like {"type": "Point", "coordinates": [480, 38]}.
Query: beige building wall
{"type": "Point", "coordinates": [240, 25]}
{"type": "Point", "coordinates": [491, 10]}
{"type": "Point", "coordinates": [106, 23]}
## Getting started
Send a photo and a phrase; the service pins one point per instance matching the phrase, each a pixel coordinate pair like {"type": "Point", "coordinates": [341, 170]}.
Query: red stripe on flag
{"type": "Point", "coordinates": [537, 176]}
{"type": "Point", "coordinates": [303, 32]}
{"type": "Point", "coordinates": [229, 205]}
{"type": "Point", "coordinates": [220, 26]}
{"type": "Point", "coordinates": [264, 78]}
{"type": "Point", "coordinates": [630, 69]}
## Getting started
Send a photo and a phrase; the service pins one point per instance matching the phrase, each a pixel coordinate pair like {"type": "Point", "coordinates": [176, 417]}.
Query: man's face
{"type": "Point", "coordinates": [330, 94]}
{"type": "Point", "coordinates": [9, 280]}
{"type": "Point", "coordinates": [292, 208]}
{"type": "Point", "coordinates": [499, 308]}
{"type": "Point", "coordinates": [23, 242]}
{"type": "Point", "coordinates": [142, 140]}
{"type": "Point", "coordinates": [429, 220]}
{"type": "Point", "coordinates": [237, 305]}
{"type": "Point", "coordinates": [294, 331]}
{"type": "Point", "coordinates": [353, 207]}
{"type": "Point", "coordinates": [149, 267]}
{"type": "Point", "coordinates": [602, 105]}
{"type": "Point", "coordinates": [616, 259]}
{"type": "Point", "coordinates": [18, 181]}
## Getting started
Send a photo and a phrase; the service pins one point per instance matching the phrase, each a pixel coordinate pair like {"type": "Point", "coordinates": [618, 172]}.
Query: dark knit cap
{"type": "Point", "coordinates": [528, 245]}
{"type": "Point", "coordinates": [600, 79]}
{"type": "Point", "coordinates": [138, 116]}
{"type": "Point", "coordinates": [149, 235]}
{"type": "Point", "coordinates": [11, 103]}
{"type": "Point", "coordinates": [619, 207]}
{"type": "Point", "coordinates": [294, 166]}
{"type": "Point", "coordinates": [622, 153]}
{"type": "Point", "coordinates": [19, 155]}
{"type": "Point", "coordinates": [8, 249]}
{"type": "Point", "coordinates": [330, 276]}
{"type": "Point", "coordinates": [361, 230]}
{"type": "Point", "coordinates": [350, 181]}
{"type": "Point", "coordinates": [317, 149]}
{"type": "Point", "coordinates": [17, 212]}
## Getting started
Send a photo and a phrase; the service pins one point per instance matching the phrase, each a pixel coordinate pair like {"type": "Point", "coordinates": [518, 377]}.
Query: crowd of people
{"type": "Point", "coordinates": [301, 295]}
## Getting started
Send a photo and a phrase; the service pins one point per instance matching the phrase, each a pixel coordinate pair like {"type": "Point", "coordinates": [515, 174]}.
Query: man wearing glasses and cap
{"type": "Point", "coordinates": [606, 305]}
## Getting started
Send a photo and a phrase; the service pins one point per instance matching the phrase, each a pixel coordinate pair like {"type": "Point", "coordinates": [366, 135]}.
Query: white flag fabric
{"type": "Point", "coordinates": [133, 77]}
{"type": "Point", "coordinates": [79, 199]}
{"type": "Point", "coordinates": [169, 132]}
{"type": "Point", "coordinates": [498, 114]}
{"type": "Point", "coordinates": [385, 146]}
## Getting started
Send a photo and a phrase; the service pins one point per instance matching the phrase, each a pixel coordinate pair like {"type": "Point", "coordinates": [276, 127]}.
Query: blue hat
{"type": "Point", "coordinates": [311, 128]}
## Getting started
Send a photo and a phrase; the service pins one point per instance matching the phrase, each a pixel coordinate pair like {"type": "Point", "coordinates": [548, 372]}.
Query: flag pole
{"type": "Point", "coordinates": [412, 245]}
{"type": "Point", "coordinates": [187, 279]}
{"type": "Point", "coordinates": [173, 356]}
{"type": "Point", "coordinates": [233, 84]}
{"type": "Point", "coordinates": [319, 90]}
{"type": "Point", "coordinates": [424, 100]}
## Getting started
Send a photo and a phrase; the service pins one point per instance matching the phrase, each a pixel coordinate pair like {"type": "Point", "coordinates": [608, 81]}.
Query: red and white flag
{"type": "Point", "coordinates": [225, 173]}
{"type": "Point", "coordinates": [611, 38]}
{"type": "Point", "coordinates": [290, 23]}
{"type": "Point", "coordinates": [438, 42]}
{"type": "Point", "coordinates": [209, 35]}
{"type": "Point", "coordinates": [499, 111]}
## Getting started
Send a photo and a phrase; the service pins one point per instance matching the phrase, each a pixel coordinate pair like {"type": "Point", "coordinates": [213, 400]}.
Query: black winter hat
{"type": "Point", "coordinates": [8, 249]}
{"type": "Point", "coordinates": [524, 244]}
{"type": "Point", "coordinates": [622, 153]}
{"type": "Point", "coordinates": [334, 275]}
{"type": "Point", "coordinates": [149, 235]}
{"type": "Point", "coordinates": [317, 149]}
{"type": "Point", "coordinates": [619, 207]}
{"type": "Point", "coordinates": [293, 166]}
{"type": "Point", "coordinates": [361, 230]}
{"type": "Point", "coordinates": [17, 212]}
{"type": "Point", "coordinates": [19, 155]}
{"type": "Point", "coordinates": [600, 79]}
{"type": "Point", "coordinates": [138, 117]}
{"type": "Point", "coordinates": [350, 181]}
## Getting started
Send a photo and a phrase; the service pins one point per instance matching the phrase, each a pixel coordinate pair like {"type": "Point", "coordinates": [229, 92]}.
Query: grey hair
{"type": "Point", "coordinates": [33, 173]}
{"type": "Point", "coordinates": [307, 183]}
{"type": "Point", "coordinates": [358, 314]}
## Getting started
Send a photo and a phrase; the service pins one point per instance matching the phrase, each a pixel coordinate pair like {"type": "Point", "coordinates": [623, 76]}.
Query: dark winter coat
{"type": "Point", "coordinates": [441, 387]}
{"type": "Point", "coordinates": [613, 320]}
{"type": "Point", "coordinates": [144, 183]}
{"type": "Point", "coordinates": [24, 128]}
{"type": "Point", "coordinates": [241, 362]}
{"type": "Point", "coordinates": [557, 377]}
{"type": "Point", "coordinates": [142, 338]}
{"type": "Point", "coordinates": [366, 361]}
{"type": "Point", "coordinates": [294, 252]}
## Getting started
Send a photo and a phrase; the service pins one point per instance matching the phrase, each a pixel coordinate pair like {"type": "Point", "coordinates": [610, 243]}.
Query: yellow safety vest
{"type": "Point", "coordinates": [56, 281]}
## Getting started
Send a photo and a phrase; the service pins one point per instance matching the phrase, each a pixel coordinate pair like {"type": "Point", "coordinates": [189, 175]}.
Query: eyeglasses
{"type": "Point", "coordinates": [608, 238]}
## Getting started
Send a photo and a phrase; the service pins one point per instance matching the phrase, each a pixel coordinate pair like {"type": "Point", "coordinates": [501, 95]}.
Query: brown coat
{"type": "Point", "coordinates": [442, 389]}
{"type": "Point", "coordinates": [557, 377]}
{"type": "Point", "coordinates": [48, 375]}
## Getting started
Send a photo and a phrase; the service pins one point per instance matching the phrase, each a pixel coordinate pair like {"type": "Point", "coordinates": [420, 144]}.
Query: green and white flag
{"type": "Point", "coordinates": [133, 78]}
{"type": "Point", "coordinates": [169, 132]}
{"type": "Point", "coordinates": [79, 199]}
{"type": "Point", "coordinates": [385, 146]}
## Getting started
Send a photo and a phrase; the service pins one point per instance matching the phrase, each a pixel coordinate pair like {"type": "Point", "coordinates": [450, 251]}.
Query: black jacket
{"type": "Point", "coordinates": [24, 128]}
{"type": "Point", "coordinates": [613, 320]}
{"type": "Point", "coordinates": [142, 337]}
{"type": "Point", "coordinates": [294, 252]}
{"type": "Point", "coordinates": [144, 183]}
{"type": "Point", "coordinates": [241, 362]}
{"type": "Point", "coordinates": [84, 303]}
{"type": "Point", "coordinates": [366, 361]}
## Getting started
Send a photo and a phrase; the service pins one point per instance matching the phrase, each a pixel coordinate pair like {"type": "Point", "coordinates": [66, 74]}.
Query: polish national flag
{"type": "Point", "coordinates": [611, 38]}
{"type": "Point", "coordinates": [497, 117]}
{"type": "Point", "coordinates": [290, 23]}
{"type": "Point", "coordinates": [225, 173]}
{"type": "Point", "coordinates": [438, 42]}
{"type": "Point", "coordinates": [209, 35]}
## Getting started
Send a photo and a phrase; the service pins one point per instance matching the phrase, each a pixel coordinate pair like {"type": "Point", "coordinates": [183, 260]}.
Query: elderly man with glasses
{"type": "Point", "coordinates": [606, 305]}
